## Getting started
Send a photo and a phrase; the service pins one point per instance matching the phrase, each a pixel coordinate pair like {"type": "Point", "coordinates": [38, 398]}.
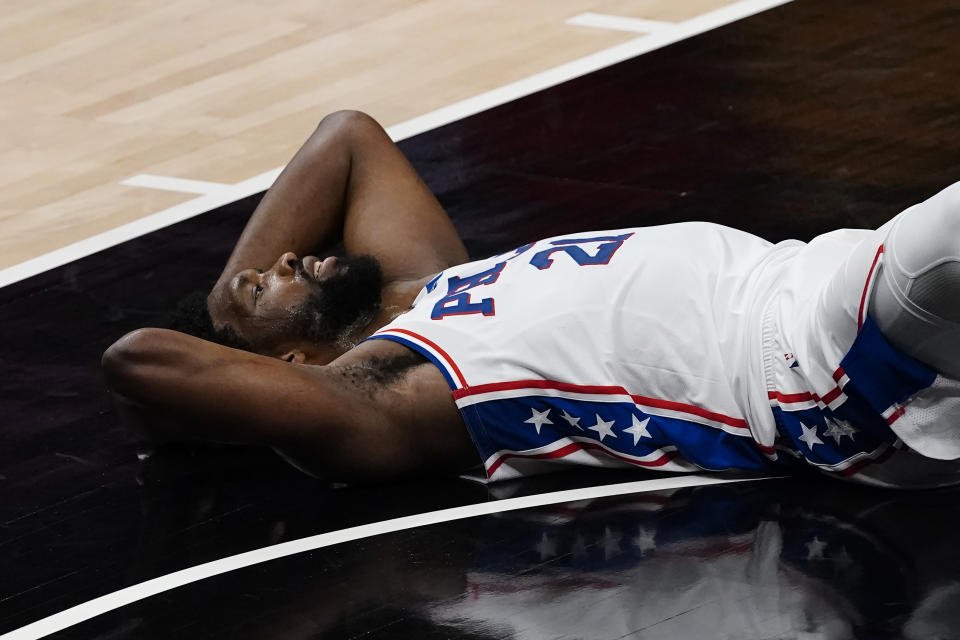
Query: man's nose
{"type": "Point", "coordinates": [287, 264]}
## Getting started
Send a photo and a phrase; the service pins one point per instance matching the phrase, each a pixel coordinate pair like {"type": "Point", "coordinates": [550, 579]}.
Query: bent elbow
{"type": "Point", "coordinates": [123, 361]}
{"type": "Point", "coordinates": [347, 119]}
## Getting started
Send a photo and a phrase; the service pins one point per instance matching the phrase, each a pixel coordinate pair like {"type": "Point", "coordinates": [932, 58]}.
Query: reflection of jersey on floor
{"type": "Point", "coordinates": [637, 573]}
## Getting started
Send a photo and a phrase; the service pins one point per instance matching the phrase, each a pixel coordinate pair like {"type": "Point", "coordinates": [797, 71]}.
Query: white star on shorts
{"type": "Point", "coordinates": [809, 436]}
{"type": "Point", "coordinates": [638, 430]}
{"type": "Point", "coordinates": [574, 421]}
{"type": "Point", "coordinates": [603, 427]}
{"type": "Point", "coordinates": [837, 429]}
{"type": "Point", "coordinates": [539, 418]}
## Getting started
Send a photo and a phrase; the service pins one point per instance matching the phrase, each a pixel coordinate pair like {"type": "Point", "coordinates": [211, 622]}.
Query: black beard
{"type": "Point", "coordinates": [340, 302]}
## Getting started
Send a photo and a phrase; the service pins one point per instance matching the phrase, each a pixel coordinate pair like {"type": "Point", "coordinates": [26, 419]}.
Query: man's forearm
{"type": "Point", "coordinates": [350, 183]}
{"type": "Point", "coordinates": [303, 211]}
{"type": "Point", "coordinates": [138, 367]}
{"type": "Point", "coordinates": [174, 386]}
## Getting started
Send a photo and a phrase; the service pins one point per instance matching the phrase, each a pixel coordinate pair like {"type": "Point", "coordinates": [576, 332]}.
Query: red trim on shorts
{"type": "Point", "coordinates": [789, 398]}
{"type": "Point", "coordinates": [896, 415]}
{"type": "Point", "coordinates": [771, 450]}
{"type": "Point", "coordinates": [792, 397]}
{"type": "Point", "coordinates": [832, 395]}
{"type": "Point", "coordinates": [866, 286]}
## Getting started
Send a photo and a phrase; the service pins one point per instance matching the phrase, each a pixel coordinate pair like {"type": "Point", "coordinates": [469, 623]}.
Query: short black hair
{"type": "Point", "coordinates": [192, 316]}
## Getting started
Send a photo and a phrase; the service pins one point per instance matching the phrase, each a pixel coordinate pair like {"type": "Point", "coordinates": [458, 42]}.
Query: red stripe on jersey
{"type": "Point", "coordinates": [538, 384]}
{"type": "Point", "coordinates": [738, 423]}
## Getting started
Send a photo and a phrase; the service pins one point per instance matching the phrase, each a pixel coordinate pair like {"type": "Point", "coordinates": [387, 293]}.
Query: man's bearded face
{"type": "Point", "coordinates": [341, 301]}
{"type": "Point", "coordinates": [309, 301]}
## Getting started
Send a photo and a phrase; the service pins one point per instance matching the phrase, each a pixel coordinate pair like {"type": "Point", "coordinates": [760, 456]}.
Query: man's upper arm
{"type": "Point", "coordinates": [210, 392]}
{"type": "Point", "coordinates": [392, 214]}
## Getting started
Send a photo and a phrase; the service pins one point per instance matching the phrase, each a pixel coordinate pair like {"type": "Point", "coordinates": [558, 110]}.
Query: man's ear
{"type": "Point", "coordinates": [295, 356]}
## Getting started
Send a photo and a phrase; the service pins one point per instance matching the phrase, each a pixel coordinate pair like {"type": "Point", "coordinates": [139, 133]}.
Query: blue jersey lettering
{"type": "Point", "coordinates": [605, 251]}
{"type": "Point", "coordinates": [520, 250]}
{"type": "Point", "coordinates": [457, 302]}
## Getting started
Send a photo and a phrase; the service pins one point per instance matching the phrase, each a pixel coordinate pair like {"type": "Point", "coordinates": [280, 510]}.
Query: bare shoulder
{"type": "Point", "coordinates": [402, 382]}
{"type": "Point", "coordinates": [400, 419]}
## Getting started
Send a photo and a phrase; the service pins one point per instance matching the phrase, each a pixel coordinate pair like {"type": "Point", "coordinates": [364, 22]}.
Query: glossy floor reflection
{"type": "Point", "coordinates": [766, 559]}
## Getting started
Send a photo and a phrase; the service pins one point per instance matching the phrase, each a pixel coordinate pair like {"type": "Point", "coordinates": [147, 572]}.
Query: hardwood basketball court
{"type": "Point", "coordinates": [96, 92]}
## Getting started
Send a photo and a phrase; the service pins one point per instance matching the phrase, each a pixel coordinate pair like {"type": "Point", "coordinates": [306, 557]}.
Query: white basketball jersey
{"type": "Point", "coordinates": [684, 347]}
{"type": "Point", "coordinates": [615, 348]}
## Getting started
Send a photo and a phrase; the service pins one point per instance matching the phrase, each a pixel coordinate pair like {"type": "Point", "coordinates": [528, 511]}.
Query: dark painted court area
{"type": "Point", "coordinates": [809, 117]}
{"type": "Point", "coordinates": [769, 559]}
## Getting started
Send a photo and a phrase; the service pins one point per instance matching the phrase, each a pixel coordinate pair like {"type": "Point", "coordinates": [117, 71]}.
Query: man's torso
{"type": "Point", "coordinates": [599, 332]}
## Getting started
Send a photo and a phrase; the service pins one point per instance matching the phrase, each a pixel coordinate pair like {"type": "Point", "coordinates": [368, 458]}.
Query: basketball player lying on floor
{"type": "Point", "coordinates": [678, 347]}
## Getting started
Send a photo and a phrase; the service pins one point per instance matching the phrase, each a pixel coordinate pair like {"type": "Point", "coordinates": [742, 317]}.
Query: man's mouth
{"type": "Point", "coordinates": [320, 269]}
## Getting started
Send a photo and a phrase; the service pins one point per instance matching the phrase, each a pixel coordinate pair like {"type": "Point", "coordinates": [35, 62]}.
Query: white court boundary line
{"type": "Point", "coordinates": [183, 185]}
{"type": "Point", "coordinates": [620, 23]}
{"type": "Point", "coordinates": [426, 122]}
{"type": "Point", "coordinates": [134, 593]}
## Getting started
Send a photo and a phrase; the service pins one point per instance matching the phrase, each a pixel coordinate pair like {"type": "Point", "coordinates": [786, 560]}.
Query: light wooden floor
{"type": "Point", "coordinates": [93, 92]}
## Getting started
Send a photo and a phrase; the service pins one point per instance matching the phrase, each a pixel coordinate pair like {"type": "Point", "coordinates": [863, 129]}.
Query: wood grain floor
{"type": "Point", "coordinates": [93, 92]}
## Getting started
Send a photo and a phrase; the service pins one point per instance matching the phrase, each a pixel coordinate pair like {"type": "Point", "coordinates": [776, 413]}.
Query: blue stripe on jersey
{"type": "Point", "coordinates": [421, 350]}
{"type": "Point", "coordinates": [511, 423]}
